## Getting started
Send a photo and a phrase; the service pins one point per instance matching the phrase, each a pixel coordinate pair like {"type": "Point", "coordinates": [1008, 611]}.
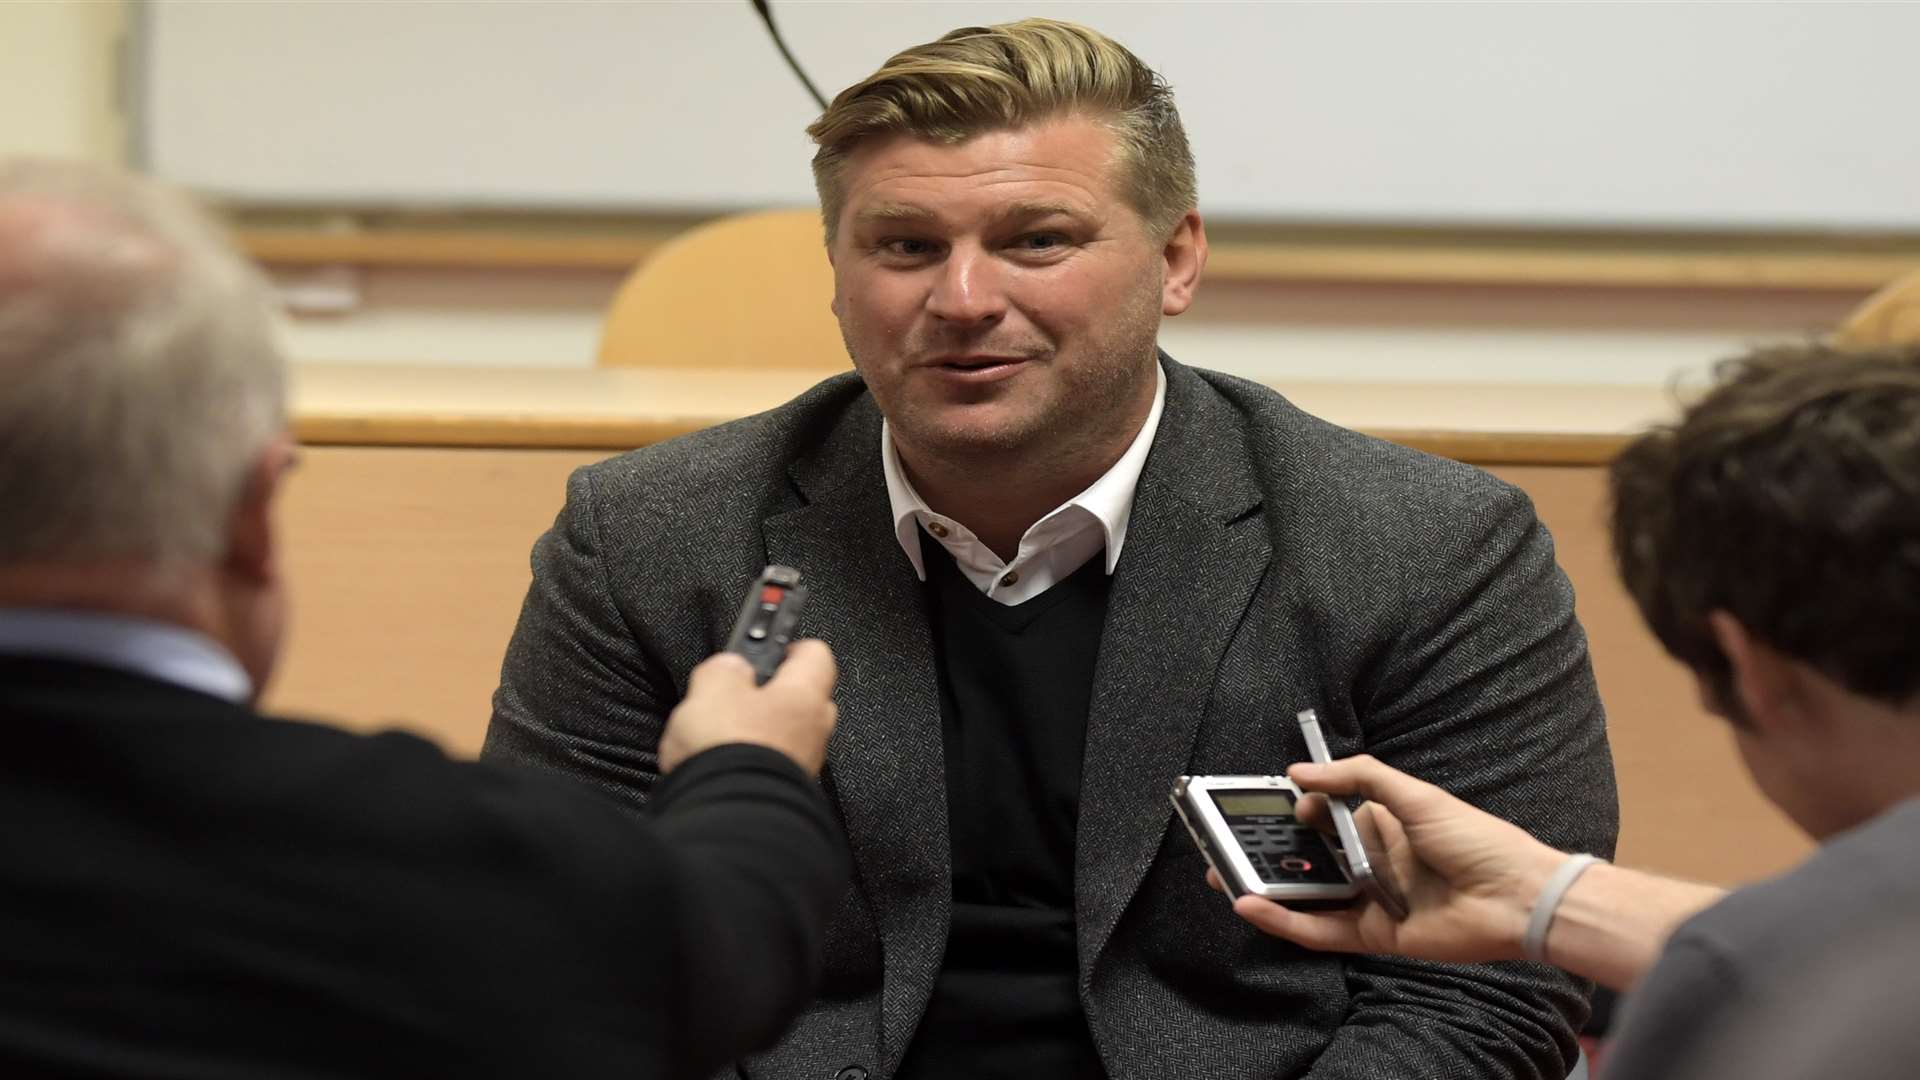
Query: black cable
{"type": "Point", "coordinates": [766, 16]}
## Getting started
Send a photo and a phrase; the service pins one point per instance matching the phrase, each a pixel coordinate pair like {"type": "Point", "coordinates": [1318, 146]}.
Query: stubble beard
{"type": "Point", "coordinates": [1091, 417]}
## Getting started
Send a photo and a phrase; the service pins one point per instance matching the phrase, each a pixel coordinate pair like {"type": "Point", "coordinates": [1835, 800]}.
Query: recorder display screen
{"type": "Point", "coordinates": [1251, 803]}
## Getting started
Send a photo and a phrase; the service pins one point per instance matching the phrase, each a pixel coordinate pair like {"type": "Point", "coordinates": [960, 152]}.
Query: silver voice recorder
{"type": "Point", "coordinates": [1246, 828]}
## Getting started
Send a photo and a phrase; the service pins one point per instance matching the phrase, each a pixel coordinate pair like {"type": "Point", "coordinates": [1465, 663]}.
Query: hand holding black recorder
{"type": "Point", "coordinates": [764, 627]}
{"type": "Point", "coordinates": [1246, 828]}
{"type": "Point", "coordinates": [778, 700]}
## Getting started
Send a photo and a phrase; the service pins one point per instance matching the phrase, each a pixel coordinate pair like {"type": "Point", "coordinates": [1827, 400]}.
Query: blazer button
{"type": "Point", "coordinates": [851, 1072]}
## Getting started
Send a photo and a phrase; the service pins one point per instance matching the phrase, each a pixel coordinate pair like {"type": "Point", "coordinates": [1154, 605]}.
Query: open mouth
{"type": "Point", "coordinates": [980, 365]}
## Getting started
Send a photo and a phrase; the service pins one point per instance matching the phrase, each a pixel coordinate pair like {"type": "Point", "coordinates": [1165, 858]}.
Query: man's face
{"type": "Point", "coordinates": [999, 295]}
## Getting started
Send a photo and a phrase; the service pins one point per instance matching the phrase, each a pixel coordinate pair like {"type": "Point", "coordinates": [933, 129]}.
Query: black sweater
{"type": "Point", "coordinates": [1015, 684]}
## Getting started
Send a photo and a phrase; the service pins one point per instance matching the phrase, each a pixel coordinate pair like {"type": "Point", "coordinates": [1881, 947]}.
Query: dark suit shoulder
{"type": "Point", "coordinates": [337, 881]}
{"type": "Point", "coordinates": [650, 541]}
{"type": "Point", "coordinates": [1315, 449]}
{"type": "Point", "coordinates": [399, 794]}
{"type": "Point", "coordinates": [708, 465]}
{"type": "Point", "coordinates": [329, 816]}
{"type": "Point", "coordinates": [698, 498]}
{"type": "Point", "coordinates": [234, 773]}
{"type": "Point", "coordinates": [1310, 467]}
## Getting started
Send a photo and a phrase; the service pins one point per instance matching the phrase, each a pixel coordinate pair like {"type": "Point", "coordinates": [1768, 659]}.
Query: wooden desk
{"type": "Point", "coordinates": [621, 408]}
{"type": "Point", "coordinates": [408, 529]}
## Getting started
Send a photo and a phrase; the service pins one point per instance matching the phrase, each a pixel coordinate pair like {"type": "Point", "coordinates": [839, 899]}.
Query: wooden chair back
{"type": "Point", "coordinates": [748, 291]}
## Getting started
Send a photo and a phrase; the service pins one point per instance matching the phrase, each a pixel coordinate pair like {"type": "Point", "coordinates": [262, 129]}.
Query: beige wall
{"type": "Point", "coordinates": [58, 60]}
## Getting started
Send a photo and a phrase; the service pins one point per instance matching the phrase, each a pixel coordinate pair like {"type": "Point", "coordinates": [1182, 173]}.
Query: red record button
{"type": "Point", "coordinates": [772, 594]}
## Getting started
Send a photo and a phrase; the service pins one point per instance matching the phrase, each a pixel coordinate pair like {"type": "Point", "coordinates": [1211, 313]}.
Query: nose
{"type": "Point", "coordinates": [968, 290]}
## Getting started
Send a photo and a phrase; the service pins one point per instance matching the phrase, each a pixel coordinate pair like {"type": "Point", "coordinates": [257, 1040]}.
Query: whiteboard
{"type": "Point", "coordinates": [1696, 116]}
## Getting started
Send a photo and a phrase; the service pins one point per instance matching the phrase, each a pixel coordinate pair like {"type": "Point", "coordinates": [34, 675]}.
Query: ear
{"type": "Point", "coordinates": [1186, 257]}
{"type": "Point", "coordinates": [1764, 681]}
{"type": "Point", "coordinates": [833, 264]}
{"type": "Point", "coordinates": [252, 551]}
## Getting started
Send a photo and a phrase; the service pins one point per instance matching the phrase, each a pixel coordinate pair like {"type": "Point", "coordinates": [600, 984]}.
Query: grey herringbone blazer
{"type": "Point", "coordinates": [1273, 562]}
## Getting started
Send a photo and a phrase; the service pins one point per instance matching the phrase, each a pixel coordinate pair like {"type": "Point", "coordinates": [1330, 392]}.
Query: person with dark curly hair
{"type": "Point", "coordinates": [1771, 538]}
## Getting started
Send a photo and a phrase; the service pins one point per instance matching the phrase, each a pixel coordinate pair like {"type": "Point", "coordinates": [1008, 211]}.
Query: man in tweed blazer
{"type": "Point", "coordinates": [1024, 902]}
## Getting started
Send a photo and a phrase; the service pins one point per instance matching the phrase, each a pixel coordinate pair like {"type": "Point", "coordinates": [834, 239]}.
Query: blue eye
{"type": "Point", "coordinates": [1042, 241]}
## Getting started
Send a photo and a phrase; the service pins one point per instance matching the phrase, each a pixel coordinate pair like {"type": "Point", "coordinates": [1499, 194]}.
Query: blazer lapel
{"type": "Point", "coordinates": [1193, 556]}
{"type": "Point", "coordinates": [884, 763]}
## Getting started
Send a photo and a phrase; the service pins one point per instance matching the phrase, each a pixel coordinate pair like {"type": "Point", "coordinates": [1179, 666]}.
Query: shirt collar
{"type": "Point", "coordinates": [1109, 499]}
{"type": "Point", "coordinates": [158, 650]}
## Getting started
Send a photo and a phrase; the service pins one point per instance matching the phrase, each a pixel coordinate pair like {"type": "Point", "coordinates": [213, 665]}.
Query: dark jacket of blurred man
{"type": "Point", "coordinates": [188, 888]}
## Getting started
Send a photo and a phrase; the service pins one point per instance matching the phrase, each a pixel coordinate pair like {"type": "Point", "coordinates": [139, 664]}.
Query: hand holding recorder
{"type": "Point", "coordinates": [1473, 883]}
{"type": "Point", "coordinates": [760, 690]}
{"type": "Point", "coordinates": [1468, 878]}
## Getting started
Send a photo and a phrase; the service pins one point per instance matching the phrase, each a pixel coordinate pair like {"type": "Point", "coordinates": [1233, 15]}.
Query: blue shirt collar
{"type": "Point", "coordinates": [147, 647]}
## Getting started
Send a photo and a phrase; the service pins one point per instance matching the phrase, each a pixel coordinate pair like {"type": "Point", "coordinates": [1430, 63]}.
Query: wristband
{"type": "Point", "coordinates": [1534, 945]}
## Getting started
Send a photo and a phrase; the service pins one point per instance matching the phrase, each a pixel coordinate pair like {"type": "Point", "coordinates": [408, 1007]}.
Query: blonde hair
{"type": "Point", "coordinates": [985, 78]}
{"type": "Point", "coordinates": [139, 372]}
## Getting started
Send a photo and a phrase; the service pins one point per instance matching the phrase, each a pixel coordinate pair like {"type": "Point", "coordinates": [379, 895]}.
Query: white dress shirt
{"type": "Point", "coordinates": [1054, 547]}
{"type": "Point", "coordinates": [157, 650]}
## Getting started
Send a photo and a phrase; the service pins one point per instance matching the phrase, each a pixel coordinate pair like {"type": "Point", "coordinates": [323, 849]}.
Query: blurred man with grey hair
{"type": "Point", "coordinates": [188, 888]}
